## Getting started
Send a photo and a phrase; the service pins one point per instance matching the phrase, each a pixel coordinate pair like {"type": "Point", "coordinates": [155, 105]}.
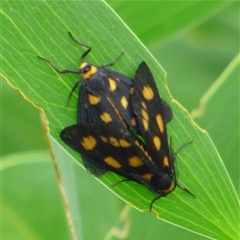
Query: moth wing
{"type": "Point", "coordinates": [149, 111]}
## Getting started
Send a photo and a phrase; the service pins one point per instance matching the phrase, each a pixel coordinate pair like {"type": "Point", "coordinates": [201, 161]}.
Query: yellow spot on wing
{"type": "Point", "coordinates": [104, 139]}
{"type": "Point", "coordinates": [160, 123]}
{"type": "Point", "coordinates": [124, 143]}
{"type": "Point", "coordinates": [124, 102]}
{"type": "Point", "coordinates": [149, 158]}
{"type": "Point", "coordinates": [144, 114]}
{"type": "Point", "coordinates": [139, 145]}
{"type": "Point", "coordinates": [157, 142]}
{"type": "Point", "coordinates": [89, 142]}
{"type": "Point", "coordinates": [145, 119]}
{"type": "Point", "coordinates": [148, 92]}
{"type": "Point", "coordinates": [165, 161]}
{"type": "Point", "coordinates": [106, 117]}
{"type": "Point", "coordinates": [114, 141]}
{"type": "Point", "coordinates": [112, 162]}
{"type": "Point", "coordinates": [133, 122]}
{"type": "Point", "coordinates": [145, 124]}
{"type": "Point", "coordinates": [144, 105]}
{"type": "Point", "coordinates": [135, 161]}
{"type": "Point", "coordinates": [147, 177]}
{"type": "Point", "coordinates": [93, 99]}
{"type": "Point", "coordinates": [116, 110]}
{"type": "Point", "coordinates": [112, 84]}
{"type": "Point", "coordinates": [131, 90]}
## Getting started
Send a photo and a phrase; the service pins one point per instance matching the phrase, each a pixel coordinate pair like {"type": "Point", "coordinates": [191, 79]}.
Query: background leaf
{"type": "Point", "coordinates": [41, 29]}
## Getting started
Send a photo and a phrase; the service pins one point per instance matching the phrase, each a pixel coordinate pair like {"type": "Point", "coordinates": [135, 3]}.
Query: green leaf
{"type": "Point", "coordinates": [172, 16]}
{"type": "Point", "coordinates": [225, 93]}
{"type": "Point", "coordinates": [31, 203]}
{"type": "Point", "coordinates": [41, 29]}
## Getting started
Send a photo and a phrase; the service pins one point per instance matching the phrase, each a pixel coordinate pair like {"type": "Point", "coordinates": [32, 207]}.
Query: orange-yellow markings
{"type": "Point", "coordinates": [112, 162]}
{"type": "Point", "coordinates": [112, 84]}
{"type": "Point", "coordinates": [92, 70]}
{"type": "Point", "coordinates": [124, 102]}
{"type": "Point", "coordinates": [115, 109]}
{"type": "Point", "coordinates": [114, 141]}
{"type": "Point", "coordinates": [157, 142]}
{"type": "Point", "coordinates": [145, 124]}
{"type": "Point", "coordinates": [135, 161]}
{"type": "Point", "coordinates": [93, 99]}
{"type": "Point", "coordinates": [131, 90]}
{"type": "Point", "coordinates": [160, 123]}
{"type": "Point", "coordinates": [171, 187]}
{"type": "Point", "coordinates": [148, 92]}
{"type": "Point", "coordinates": [149, 158]}
{"type": "Point", "coordinates": [124, 143]}
{"type": "Point", "coordinates": [147, 177]}
{"type": "Point", "coordinates": [83, 64]}
{"type": "Point", "coordinates": [139, 145]}
{"type": "Point", "coordinates": [104, 139]}
{"type": "Point", "coordinates": [144, 105]}
{"type": "Point", "coordinates": [133, 122]}
{"type": "Point", "coordinates": [144, 114]}
{"type": "Point", "coordinates": [165, 161]}
{"type": "Point", "coordinates": [89, 142]}
{"type": "Point", "coordinates": [106, 117]}
{"type": "Point", "coordinates": [145, 119]}
{"type": "Point", "coordinates": [117, 142]}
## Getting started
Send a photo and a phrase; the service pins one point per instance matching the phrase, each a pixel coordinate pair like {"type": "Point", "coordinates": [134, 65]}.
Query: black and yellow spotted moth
{"type": "Point", "coordinates": [121, 126]}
